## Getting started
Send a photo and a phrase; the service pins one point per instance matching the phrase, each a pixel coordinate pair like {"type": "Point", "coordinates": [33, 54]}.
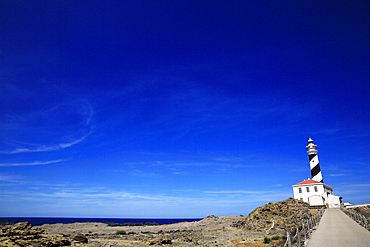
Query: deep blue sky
{"type": "Point", "coordinates": [179, 108]}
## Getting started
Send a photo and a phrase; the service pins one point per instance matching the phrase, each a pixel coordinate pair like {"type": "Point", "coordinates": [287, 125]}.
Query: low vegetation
{"type": "Point", "coordinates": [266, 240]}
{"type": "Point", "coordinates": [121, 232]}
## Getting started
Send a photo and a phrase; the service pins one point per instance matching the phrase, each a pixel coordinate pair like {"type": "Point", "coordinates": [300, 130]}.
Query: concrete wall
{"type": "Point", "coordinates": [357, 205]}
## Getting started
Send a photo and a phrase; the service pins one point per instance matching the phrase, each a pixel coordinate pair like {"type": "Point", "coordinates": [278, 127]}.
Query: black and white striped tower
{"type": "Point", "coordinates": [314, 161]}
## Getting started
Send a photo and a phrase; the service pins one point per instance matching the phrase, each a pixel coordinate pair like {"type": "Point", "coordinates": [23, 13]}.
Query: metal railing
{"type": "Point", "coordinates": [303, 232]}
{"type": "Point", "coordinates": [359, 218]}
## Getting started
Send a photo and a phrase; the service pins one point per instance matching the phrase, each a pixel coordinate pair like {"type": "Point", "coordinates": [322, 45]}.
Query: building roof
{"type": "Point", "coordinates": [308, 181]}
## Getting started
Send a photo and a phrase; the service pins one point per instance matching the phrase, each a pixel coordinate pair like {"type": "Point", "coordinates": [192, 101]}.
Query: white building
{"type": "Point", "coordinates": [316, 194]}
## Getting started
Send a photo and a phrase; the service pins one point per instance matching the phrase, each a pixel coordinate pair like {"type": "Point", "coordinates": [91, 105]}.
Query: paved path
{"type": "Point", "coordinates": [336, 229]}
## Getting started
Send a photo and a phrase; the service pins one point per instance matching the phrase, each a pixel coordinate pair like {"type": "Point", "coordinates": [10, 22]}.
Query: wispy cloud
{"type": "Point", "coordinates": [179, 173]}
{"type": "Point", "coordinates": [189, 109]}
{"type": "Point", "coordinates": [139, 173]}
{"type": "Point", "coordinates": [336, 175]}
{"type": "Point", "coordinates": [36, 163]}
{"type": "Point", "coordinates": [103, 195]}
{"type": "Point", "coordinates": [46, 148]}
{"type": "Point", "coordinates": [65, 123]}
{"type": "Point", "coordinates": [361, 185]}
{"type": "Point", "coordinates": [71, 197]}
{"type": "Point", "coordinates": [326, 131]}
{"type": "Point", "coordinates": [7, 178]}
{"type": "Point", "coordinates": [237, 192]}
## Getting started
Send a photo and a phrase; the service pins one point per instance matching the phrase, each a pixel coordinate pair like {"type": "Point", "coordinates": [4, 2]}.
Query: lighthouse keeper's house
{"type": "Point", "coordinates": [315, 193]}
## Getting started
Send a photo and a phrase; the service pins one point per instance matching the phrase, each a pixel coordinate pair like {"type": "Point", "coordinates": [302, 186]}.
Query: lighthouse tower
{"type": "Point", "coordinates": [314, 161]}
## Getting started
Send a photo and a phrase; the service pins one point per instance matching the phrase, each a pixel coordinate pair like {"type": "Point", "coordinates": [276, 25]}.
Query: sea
{"type": "Point", "coordinates": [38, 221]}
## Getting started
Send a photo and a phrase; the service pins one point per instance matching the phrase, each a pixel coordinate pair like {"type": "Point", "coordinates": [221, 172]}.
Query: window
{"type": "Point", "coordinates": [308, 189]}
{"type": "Point", "coordinates": [300, 190]}
{"type": "Point", "coordinates": [315, 188]}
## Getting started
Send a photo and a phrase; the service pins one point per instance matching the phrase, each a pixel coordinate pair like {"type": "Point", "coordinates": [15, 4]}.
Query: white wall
{"type": "Point", "coordinates": [316, 201]}
{"type": "Point", "coordinates": [305, 195]}
{"type": "Point", "coordinates": [334, 201]}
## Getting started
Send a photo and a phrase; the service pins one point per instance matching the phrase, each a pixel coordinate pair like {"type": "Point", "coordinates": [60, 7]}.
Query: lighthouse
{"type": "Point", "coordinates": [314, 161]}
{"type": "Point", "coordinates": [314, 191]}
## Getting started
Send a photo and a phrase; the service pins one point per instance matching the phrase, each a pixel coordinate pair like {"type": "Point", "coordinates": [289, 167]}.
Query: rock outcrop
{"type": "Point", "coordinates": [79, 237]}
{"type": "Point", "coordinates": [5, 224]}
{"type": "Point", "coordinates": [159, 242]}
{"type": "Point", "coordinates": [276, 218]}
{"type": "Point", "coordinates": [365, 211]}
{"type": "Point", "coordinates": [24, 234]}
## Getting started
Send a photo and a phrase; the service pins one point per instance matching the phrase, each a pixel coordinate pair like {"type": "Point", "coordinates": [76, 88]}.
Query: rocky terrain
{"type": "Point", "coordinates": [23, 234]}
{"type": "Point", "coordinates": [211, 231]}
{"type": "Point", "coordinates": [4, 224]}
{"type": "Point", "coordinates": [362, 210]}
{"type": "Point", "coordinates": [272, 219]}
{"type": "Point", "coordinates": [276, 218]}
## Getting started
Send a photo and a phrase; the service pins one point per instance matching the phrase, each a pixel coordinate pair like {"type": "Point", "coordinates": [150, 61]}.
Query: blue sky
{"type": "Point", "coordinates": [179, 108]}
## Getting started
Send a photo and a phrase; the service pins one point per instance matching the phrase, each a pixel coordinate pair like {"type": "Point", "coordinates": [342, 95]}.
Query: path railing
{"type": "Point", "coordinates": [304, 231]}
{"type": "Point", "coordinates": [359, 218]}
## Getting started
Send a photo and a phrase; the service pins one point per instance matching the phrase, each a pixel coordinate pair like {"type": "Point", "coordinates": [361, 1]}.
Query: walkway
{"type": "Point", "coordinates": [336, 229]}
